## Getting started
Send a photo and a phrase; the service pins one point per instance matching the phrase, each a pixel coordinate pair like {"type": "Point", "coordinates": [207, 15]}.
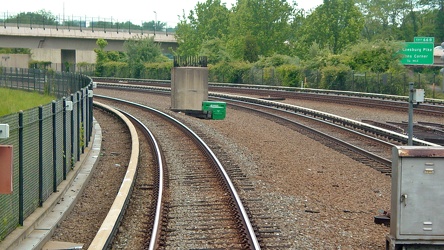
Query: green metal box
{"type": "Point", "coordinates": [217, 109]}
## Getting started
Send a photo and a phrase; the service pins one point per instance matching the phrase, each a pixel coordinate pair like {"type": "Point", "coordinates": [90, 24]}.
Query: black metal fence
{"type": "Point", "coordinates": [43, 81]}
{"type": "Point", "coordinates": [70, 22]}
{"type": "Point", "coordinates": [47, 141]}
{"type": "Point", "coordinates": [190, 61]}
{"type": "Point", "coordinates": [370, 82]}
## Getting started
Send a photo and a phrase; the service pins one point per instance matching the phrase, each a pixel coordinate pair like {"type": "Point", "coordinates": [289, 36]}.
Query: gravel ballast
{"type": "Point", "coordinates": [322, 199]}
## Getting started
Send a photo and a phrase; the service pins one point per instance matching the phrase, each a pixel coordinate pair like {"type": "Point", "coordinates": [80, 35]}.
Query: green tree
{"type": "Point", "coordinates": [265, 23]}
{"type": "Point", "coordinates": [215, 51]}
{"type": "Point", "coordinates": [334, 25]}
{"type": "Point", "coordinates": [101, 57]}
{"type": "Point", "coordinates": [208, 21]}
{"type": "Point", "coordinates": [375, 56]}
{"type": "Point", "coordinates": [15, 51]}
{"type": "Point", "coordinates": [251, 49]}
{"type": "Point", "coordinates": [436, 8]}
{"type": "Point", "coordinates": [187, 38]}
{"type": "Point", "coordinates": [383, 17]}
{"type": "Point", "coordinates": [41, 17]}
{"type": "Point", "coordinates": [153, 25]}
{"type": "Point", "coordinates": [139, 51]}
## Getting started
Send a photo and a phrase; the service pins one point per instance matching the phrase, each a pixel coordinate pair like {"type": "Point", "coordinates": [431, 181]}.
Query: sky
{"type": "Point", "coordinates": [135, 11]}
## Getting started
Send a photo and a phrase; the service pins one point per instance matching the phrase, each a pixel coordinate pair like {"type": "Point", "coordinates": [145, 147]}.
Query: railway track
{"type": "Point", "coordinates": [427, 109]}
{"type": "Point", "coordinates": [266, 227]}
{"type": "Point", "coordinates": [433, 107]}
{"type": "Point", "coordinates": [363, 148]}
{"type": "Point", "coordinates": [368, 144]}
{"type": "Point", "coordinates": [200, 207]}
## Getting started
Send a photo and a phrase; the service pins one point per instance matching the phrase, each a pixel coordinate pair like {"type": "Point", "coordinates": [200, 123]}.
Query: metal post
{"type": "Point", "coordinates": [40, 156]}
{"type": "Point", "coordinates": [21, 155]}
{"type": "Point", "coordinates": [64, 138]}
{"type": "Point", "coordinates": [410, 128]}
{"type": "Point", "coordinates": [72, 133]}
{"type": "Point", "coordinates": [155, 22]}
{"type": "Point", "coordinates": [78, 124]}
{"type": "Point", "coordinates": [54, 147]}
{"type": "Point", "coordinates": [82, 119]}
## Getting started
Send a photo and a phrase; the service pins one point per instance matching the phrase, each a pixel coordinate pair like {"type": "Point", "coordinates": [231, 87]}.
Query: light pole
{"type": "Point", "coordinates": [155, 21]}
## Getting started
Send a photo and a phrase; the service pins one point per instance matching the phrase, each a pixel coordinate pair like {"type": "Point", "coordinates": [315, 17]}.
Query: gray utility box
{"type": "Point", "coordinates": [417, 204]}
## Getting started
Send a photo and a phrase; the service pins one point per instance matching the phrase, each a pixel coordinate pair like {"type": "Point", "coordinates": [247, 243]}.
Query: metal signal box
{"type": "Point", "coordinates": [417, 203]}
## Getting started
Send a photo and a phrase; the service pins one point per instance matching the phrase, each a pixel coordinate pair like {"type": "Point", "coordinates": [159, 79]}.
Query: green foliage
{"type": "Point", "coordinates": [265, 24]}
{"type": "Point", "coordinates": [28, 100]}
{"type": "Point", "coordinates": [82, 135]}
{"type": "Point", "coordinates": [157, 70]}
{"type": "Point", "coordinates": [376, 56]}
{"type": "Point", "coordinates": [276, 60]}
{"type": "Point", "coordinates": [115, 69]}
{"type": "Point", "coordinates": [207, 22]}
{"type": "Point", "coordinates": [187, 39]}
{"type": "Point", "coordinates": [232, 72]}
{"type": "Point", "coordinates": [101, 57]}
{"type": "Point", "coordinates": [382, 17]}
{"type": "Point", "coordinates": [290, 75]}
{"type": "Point", "coordinates": [334, 77]}
{"type": "Point", "coordinates": [333, 25]}
{"type": "Point", "coordinates": [139, 51]}
{"type": "Point", "coordinates": [15, 51]}
{"type": "Point", "coordinates": [251, 49]}
{"type": "Point", "coordinates": [39, 64]}
{"type": "Point", "coordinates": [41, 17]}
{"type": "Point", "coordinates": [154, 26]}
{"type": "Point", "coordinates": [160, 70]}
{"type": "Point", "coordinates": [215, 51]}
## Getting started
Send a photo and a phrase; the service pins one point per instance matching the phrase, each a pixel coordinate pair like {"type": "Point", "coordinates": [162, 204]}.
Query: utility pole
{"type": "Point", "coordinates": [155, 22]}
{"type": "Point", "coordinates": [416, 96]}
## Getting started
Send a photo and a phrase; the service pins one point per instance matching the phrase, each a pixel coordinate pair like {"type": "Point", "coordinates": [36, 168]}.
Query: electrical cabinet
{"type": "Point", "coordinates": [417, 202]}
{"type": "Point", "coordinates": [6, 171]}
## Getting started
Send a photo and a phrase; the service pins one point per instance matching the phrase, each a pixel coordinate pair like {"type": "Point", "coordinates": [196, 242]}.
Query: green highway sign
{"type": "Point", "coordinates": [417, 54]}
{"type": "Point", "coordinates": [421, 39]}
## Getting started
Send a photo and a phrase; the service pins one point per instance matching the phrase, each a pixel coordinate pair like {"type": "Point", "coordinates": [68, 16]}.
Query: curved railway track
{"type": "Point", "coordinates": [369, 144]}
{"type": "Point", "coordinates": [390, 102]}
{"type": "Point", "coordinates": [287, 118]}
{"type": "Point", "coordinates": [200, 206]}
{"type": "Point", "coordinates": [266, 227]}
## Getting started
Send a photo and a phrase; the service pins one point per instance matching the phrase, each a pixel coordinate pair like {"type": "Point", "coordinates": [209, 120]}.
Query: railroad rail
{"type": "Point", "coordinates": [276, 89]}
{"type": "Point", "coordinates": [164, 231]}
{"type": "Point", "coordinates": [330, 137]}
{"type": "Point", "coordinates": [361, 126]}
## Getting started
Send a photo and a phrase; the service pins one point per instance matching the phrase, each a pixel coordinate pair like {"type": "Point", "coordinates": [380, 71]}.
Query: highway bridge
{"type": "Point", "coordinates": [75, 44]}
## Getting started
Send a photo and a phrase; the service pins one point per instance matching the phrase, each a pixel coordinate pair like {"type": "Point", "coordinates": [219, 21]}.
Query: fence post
{"type": "Point", "coordinates": [78, 124]}
{"type": "Point", "coordinates": [403, 91]}
{"type": "Point", "coordinates": [82, 120]}
{"type": "Point", "coordinates": [89, 114]}
{"type": "Point", "coordinates": [40, 156]}
{"type": "Point", "coordinates": [419, 79]}
{"type": "Point", "coordinates": [16, 78]}
{"type": "Point", "coordinates": [21, 206]}
{"type": "Point", "coordinates": [64, 139]}
{"type": "Point", "coordinates": [54, 147]}
{"type": "Point", "coordinates": [72, 131]}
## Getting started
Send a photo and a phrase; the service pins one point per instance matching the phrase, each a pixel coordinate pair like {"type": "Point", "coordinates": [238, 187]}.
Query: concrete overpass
{"type": "Point", "coordinates": [60, 44]}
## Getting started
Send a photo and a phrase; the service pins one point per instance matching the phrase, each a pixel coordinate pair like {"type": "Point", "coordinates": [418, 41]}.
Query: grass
{"type": "Point", "coordinates": [12, 101]}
